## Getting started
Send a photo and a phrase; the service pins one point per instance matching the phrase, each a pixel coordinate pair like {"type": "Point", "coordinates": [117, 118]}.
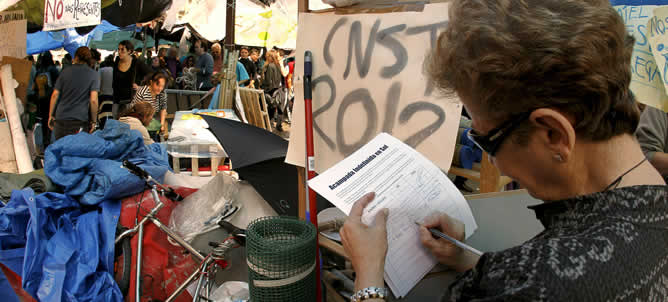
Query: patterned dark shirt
{"type": "Point", "coordinates": [606, 246]}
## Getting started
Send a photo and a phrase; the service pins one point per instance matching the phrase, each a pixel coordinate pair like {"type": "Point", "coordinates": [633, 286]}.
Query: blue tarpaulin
{"type": "Point", "coordinates": [88, 166]}
{"type": "Point", "coordinates": [69, 39]}
{"type": "Point", "coordinates": [62, 251]}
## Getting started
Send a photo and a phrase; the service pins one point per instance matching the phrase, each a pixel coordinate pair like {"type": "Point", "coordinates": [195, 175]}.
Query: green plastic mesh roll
{"type": "Point", "coordinates": [281, 254]}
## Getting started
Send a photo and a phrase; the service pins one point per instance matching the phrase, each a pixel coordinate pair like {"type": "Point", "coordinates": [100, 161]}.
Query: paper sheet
{"type": "Point", "coordinates": [411, 187]}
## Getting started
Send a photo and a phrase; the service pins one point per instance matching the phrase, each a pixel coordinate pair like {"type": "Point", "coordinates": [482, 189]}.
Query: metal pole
{"type": "Point", "coordinates": [177, 238]}
{"type": "Point", "coordinates": [311, 206]}
{"type": "Point", "coordinates": [229, 24]}
{"type": "Point", "coordinates": [140, 241]}
{"type": "Point", "coordinates": [183, 286]}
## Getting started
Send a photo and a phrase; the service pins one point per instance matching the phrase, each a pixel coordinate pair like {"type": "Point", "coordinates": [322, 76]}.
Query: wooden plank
{"type": "Point", "coordinates": [176, 164]}
{"type": "Point", "coordinates": [332, 294]}
{"type": "Point", "coordinates": [265, 114]}
{"type": "Point", "coordinates": [332, 246]}
{"type": "Point", "coordinates": [489, 175]}
{"type": "Point", "coordinates": [215, 161]}
{"type": "Point", "coordinates": [466, 173]}
{"type": "Point", "coordinates": [302, 6]}
{"type": "Point", "coordinates": [195, 166]}
{"type": "Point", "coordinates": [301, 183]}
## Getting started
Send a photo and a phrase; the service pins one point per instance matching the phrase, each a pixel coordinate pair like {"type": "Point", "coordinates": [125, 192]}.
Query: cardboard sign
{"type": "Point", "coordinates": [658, 40]}
{"type": "Point", "coordinates": [646, 80]}
{"type": "Point", "coordinates": [368, 78]}
{"type": "Point", "coordinates": [13, 26]}
{"type": "Point", "coordinates": [20, 73]}
{"type": "Point", "coordinates": [60, 14]}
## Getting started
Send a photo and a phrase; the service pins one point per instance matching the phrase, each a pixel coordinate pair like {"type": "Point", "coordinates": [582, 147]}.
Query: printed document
{"type": "Point", "coordinates": [411, 187]}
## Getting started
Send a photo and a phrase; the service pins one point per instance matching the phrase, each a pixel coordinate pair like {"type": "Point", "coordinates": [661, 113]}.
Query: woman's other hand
{"type": "Point", "coordinates": [366, 245]}
{"type": "Point", "coordinates": [446, 252]}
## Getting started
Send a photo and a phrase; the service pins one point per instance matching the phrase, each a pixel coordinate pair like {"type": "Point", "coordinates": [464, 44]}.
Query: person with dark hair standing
{"type": "Point", "coordinates": [546, 83]}
{"type": "Point", "coordinates": [248, 64]}
{"type": "Point", "coordinates": [128, 74]}
{"type": "Point", "coordinates": [255, 58]}
{"type": "Point", "coordinates": [172, 62]}
{"type": "Point", "coordinates": [74, 99]}
{"type": "Point", "coordinates": [96, 58]}
{"type": "Point", "coordinates": [204, 66]}
{"type": "Point", "coordinates": [154, 93]}
{"type": "Point", "coordinates": [138, 117]}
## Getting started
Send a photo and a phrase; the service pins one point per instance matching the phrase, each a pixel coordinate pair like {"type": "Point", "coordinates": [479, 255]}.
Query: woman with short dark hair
{"type": "Point", "coordinates": [129, 72]}
{"type": "Point", "coordinates": [546, 83]}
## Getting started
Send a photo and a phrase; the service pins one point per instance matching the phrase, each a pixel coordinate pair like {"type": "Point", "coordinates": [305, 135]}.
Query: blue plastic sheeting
{"type": "Point", "coordinates": [69, 39]}
{"type": "Point", "coordinates": [88, 166]}
{"type": "Point", "coordinates": [214, 99]}
{"type": "Point", "coordinates": [62, 251]}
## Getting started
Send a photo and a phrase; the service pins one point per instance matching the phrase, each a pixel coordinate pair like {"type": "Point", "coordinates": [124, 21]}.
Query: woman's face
{"type": "Point", "coordinates": [158, 86]}
{"type": "Point", "coordinates": [531, 165]}
{"type": "Point", "coordinates": [155, 62]}
{"type": "Point", "coordinates": [123, 52]}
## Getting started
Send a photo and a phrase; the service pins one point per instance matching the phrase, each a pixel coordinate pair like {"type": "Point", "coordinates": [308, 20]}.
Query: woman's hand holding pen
{"type": "Point", "coordinates": [366, 245]}
{"type": "Point", "coordinates": [445, 251]}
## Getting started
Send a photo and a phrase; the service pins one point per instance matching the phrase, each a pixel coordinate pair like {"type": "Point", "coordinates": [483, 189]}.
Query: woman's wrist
{"type": "Point", "coordinates": [466, 261]}
{"type": "Point", "coordinates": [365, 280]}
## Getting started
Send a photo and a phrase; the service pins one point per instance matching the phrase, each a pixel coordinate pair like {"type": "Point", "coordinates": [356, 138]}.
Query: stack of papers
{"type": "Point", "coordinates": [411, 187]}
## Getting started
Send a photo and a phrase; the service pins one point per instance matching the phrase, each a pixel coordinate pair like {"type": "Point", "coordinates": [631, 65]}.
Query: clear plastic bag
{"type": "Point", "coordinates": [201, 211]}
{"type": "Point", "coordinates": [231, 291]}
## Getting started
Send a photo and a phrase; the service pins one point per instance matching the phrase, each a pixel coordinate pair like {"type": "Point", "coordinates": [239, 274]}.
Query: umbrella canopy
{"type": "Point", "coordinates": [246, 144]}
{"type": "Point", "coordinates": [259, 157]}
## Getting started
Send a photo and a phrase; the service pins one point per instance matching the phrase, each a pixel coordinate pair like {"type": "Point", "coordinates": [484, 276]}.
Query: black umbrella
{"type": "Point", "coordinates": [259, 157]}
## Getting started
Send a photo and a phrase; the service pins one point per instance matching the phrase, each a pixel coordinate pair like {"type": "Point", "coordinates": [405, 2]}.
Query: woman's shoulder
{"type": "Point", "coordinates": [581, 257]}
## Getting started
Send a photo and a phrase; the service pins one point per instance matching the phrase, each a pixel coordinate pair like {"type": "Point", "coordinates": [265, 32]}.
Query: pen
{"type": "Point", "coordinates": [453, 240]}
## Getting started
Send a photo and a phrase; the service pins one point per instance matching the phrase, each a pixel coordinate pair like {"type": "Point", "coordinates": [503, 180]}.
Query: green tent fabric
{"type": "Point", "coordinates": [110, 41]}
{"type": "Point", "coordinates": [35, 180]}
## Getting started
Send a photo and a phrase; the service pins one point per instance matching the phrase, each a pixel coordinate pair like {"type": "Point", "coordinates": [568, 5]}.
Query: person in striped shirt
{"type": "Point", "coordinates": [154, 93]}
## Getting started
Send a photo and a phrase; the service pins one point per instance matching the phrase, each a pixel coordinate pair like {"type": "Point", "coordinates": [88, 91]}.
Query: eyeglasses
{"type": "Point", "coordinates": [491, 142]}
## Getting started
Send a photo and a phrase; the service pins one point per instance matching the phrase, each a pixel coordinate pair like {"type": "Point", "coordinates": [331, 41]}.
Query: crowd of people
{"type": "Point", "coordinates": [81, 93]}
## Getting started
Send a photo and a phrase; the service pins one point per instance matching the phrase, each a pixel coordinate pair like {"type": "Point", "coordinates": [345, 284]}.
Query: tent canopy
{"type": "Point", "coordinates": [120, 14]}
{"type": "Point", "coordinates": [256, 25]}
{"type": "Point", "coordinates": [69, 39]}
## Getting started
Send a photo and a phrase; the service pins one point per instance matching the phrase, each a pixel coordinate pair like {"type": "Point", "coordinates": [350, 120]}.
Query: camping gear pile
{"type": "Point", "coordinates": [62, 245]}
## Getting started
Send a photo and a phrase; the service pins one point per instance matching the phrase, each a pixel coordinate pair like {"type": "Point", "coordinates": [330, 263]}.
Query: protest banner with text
{"type": "Point", "coordinates": [368, 78]}
{"type": "Point", "coordinates": [60, 14]}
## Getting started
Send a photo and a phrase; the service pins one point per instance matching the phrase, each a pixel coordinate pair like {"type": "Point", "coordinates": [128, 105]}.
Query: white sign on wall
{"type": "Point", "coordinates": [60, 14]}
{"type": "Point", "coordinates": [13, 27]}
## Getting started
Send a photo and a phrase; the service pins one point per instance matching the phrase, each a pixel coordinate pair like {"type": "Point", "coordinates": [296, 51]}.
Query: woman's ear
{"type": "Point", "coordinates": [556, 132]}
